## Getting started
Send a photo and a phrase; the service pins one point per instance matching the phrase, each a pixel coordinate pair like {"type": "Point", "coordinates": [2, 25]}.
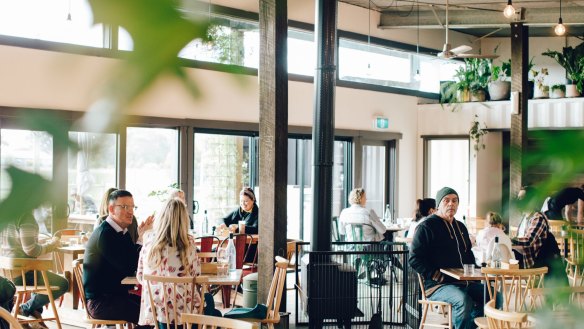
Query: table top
{"type": "Point", "coordinates": [394, 227]}
{"type": "Point", "coordinates": [232, 279]}
{"type": "Point", "coordinates": [71, 249]}
{"type": "Point", "coordinates": [458, 274]}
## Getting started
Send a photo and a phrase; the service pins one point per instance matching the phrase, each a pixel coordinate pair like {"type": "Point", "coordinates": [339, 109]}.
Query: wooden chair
{"type": "Point", "coordinates": [242, 242]}
{"type": "Point", "coordinates": [575, 259]}
{"type": "Point", "coordinates": [206, 243]}
{"type": "Point", "coordinates": [169, 293]}
{"type": "Point", "coordinates": [12, 321]}
{"type": "Point", "coordinates": [515, 286]}
{"type": "Point", "coordinates": [212, 322]}
{"type": "Point", "coordinates": [291, 256]}
{"type": "Point", "coordinates": [499, 319]}
{"type": "Point", "coordinates": [78, 272]}
{"type": "Point", "coordinates": [14, 267]}
{"type": "Point", "coordinates": [274, 294]}
{"type": "Point", "coordinates": [446, 309]}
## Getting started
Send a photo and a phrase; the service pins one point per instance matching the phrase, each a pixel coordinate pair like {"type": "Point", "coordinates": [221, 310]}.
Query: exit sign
{"type": "Point", "coordinates": [381, 123]}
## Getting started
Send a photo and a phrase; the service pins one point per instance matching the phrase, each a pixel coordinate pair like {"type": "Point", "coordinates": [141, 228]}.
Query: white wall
{"type": "Point", "coordinates": [45, 79]}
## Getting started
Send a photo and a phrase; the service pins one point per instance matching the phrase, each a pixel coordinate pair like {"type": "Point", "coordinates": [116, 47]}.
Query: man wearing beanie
{"type": "Point", "coordinates": [443, 242]}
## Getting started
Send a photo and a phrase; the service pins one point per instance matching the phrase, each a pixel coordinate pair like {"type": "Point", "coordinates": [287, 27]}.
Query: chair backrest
{"type": "Point", "coordinates": [276, 289]}
{"type": "Point", "coordinates": [15, 267]}
{"type": "Point", "coordinates": [207, 256]}
{"type": "Point", "coordinates": [556, 227]}
{"type": "Point", "coordinates": [12, 321]}
{"type": "Point", "coordinates": [213, 322]}
{"type": "Point", "coordinates": [291, 252]}
{"type": "Point", "coordinates": [515, 286]}
{"type": "Point", "coordinates": [206, 243]}
{"type": "Point", "coordinates": [78, 272]}
{"type": "Point", "coordinates": [336, 236]}
{"type": "Point", "coordinates": [176, 291]}
{"type": "Point", "coordinates": [576, 246]}
{"type": "Point", "coordinates": [499, 319]}
{"type": "Point", "coordinates": [422, 290]}
{"type": "Point", "coordinates": [242, 243]}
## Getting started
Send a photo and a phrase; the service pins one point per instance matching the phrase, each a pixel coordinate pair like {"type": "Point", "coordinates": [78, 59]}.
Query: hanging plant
{"type": "Point", "coordinates": [476, 134]}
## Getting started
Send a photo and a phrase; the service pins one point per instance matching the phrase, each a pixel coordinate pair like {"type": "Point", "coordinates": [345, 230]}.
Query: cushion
{"type": "Point", "coordinates": [260, 311]}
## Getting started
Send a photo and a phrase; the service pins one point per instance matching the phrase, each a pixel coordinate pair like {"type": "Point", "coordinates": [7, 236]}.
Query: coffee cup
{"type": "Point", "coordinates": [241, 226]}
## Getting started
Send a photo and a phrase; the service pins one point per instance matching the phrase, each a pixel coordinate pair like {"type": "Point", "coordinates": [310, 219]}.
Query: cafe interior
{"type": "Point", "coordinates": [303, 101]}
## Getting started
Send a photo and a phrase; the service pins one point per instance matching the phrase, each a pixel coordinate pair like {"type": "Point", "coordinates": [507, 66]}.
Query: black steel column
{"type": "Point", "coordinates": [519, 71]}
{"type": "Point", "coordinates": [324, 123]}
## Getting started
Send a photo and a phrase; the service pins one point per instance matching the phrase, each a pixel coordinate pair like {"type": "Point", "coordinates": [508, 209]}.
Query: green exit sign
{"type": "Point", "coordinates": [381, 123]}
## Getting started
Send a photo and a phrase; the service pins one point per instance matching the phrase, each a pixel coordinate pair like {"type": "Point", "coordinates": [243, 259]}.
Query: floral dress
{"type": "Point", "coordinates": [170, 266]}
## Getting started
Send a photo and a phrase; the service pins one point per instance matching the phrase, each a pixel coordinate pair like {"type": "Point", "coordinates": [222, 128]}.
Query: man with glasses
{"type": "Point", "coordinates": [110, 256]}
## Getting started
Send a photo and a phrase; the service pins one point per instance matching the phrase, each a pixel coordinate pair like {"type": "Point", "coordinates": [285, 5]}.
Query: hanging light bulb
{"type": "Point", "coordinates": [509, 11]}
{"type": "Point", "coordinates": [560, 29]}
{"type": "Point", "coordinates": [417, 76]}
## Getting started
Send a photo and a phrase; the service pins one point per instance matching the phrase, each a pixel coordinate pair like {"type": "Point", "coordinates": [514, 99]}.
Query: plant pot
{"type": "Point", "coordinates": [572, 91]}
{"type": "Point", "coordinates": [499, 90]}
{"type": "Point", "coordinates": [557, 93]}
{"type": "Point", "coordinates": [478, 96]}
{"type": "Point", "coordinates": [463, 95]}
{"type": "Point", "coordinates": [543, 92]}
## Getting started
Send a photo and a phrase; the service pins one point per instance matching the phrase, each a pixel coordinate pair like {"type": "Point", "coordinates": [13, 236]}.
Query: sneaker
{"type": "Point", "coordinates": [34, 314]}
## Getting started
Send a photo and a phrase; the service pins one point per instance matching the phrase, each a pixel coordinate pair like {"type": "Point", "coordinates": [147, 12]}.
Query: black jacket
{"type": "Point", "coordinates": [250, 218]}
{"type": "Point", "coordinates": [438, 244]}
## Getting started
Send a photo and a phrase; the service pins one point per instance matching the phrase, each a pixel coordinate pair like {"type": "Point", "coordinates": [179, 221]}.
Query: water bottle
{"type": "Point", "coordinates": [387, 214]}
{"type": "Point", "coordinates": [496, 255]}
{"type": "Point", "coordinates": [231, 253]}
{"type": "Point", "coordinates": [205, 223]}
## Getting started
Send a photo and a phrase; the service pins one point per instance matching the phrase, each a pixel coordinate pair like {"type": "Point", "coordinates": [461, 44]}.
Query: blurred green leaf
{"type": "Point", "coordinates": [52, 124]}
{"type": "Point", "coordinates": [28, 192]}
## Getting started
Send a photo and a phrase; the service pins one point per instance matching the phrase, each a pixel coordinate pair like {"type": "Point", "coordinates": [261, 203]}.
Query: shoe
{"type": "Point", "coordinates": [34, 314]}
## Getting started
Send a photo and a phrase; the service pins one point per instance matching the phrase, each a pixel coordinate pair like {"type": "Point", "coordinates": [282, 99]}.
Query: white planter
{"type": "Point", "coordinates": [572, 91]}
{"type": "Point", "coordinates": [499, 90]}
{"type": "Point", "coordinates": [541, 92]}
{"type": "Point", "coordinates": [557, 93]}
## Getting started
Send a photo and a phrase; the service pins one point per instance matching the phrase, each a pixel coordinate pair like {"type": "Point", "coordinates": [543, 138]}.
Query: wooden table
{"type": "Point", "coordinates": [232, 279]}
{"type": "Point", "coordinates": [70, 254]}
{"type": "Point", "coordinates": [476, 275]}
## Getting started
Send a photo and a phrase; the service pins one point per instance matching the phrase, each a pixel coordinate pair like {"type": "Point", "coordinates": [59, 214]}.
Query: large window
{"type": "Point", "coordinates": [67, 21]}
{"type": "Point", "coordinates": [222, 167]}
{"type": "Point", "coordinates": [374, 177]}
{"type": "Point", "coordinates": [300, 197]}
{"type": "Point", "coordinates": [31, 151]}
{"type": "Point", "coordinates": [92, 171]}
{"type": "Point", "coordinates": [447, 164]}
{"type": "Point", "coordinates": [151, 166]}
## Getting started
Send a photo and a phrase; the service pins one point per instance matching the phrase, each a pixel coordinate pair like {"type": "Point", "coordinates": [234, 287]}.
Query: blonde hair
{"type": "Point", "coordinates": [171, 230]}
{"type": "Point", "coordinates": [103, 207]}
{"type": "Point", "coordinates": [494, 218]}
{"type": "Point", "coordinates": [356, 195]}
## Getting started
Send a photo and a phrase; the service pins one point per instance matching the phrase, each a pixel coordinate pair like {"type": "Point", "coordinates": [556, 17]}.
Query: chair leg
{"type": "Point", "coordinates": [424, 314]}
{"type": "Point", "coordinates": [51, 299]}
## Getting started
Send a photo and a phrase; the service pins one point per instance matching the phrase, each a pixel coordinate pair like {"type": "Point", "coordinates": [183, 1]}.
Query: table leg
{"type": "Point", "coordinates": [226, 295]}
{"type": "Point", "coordinates": [67, 266]}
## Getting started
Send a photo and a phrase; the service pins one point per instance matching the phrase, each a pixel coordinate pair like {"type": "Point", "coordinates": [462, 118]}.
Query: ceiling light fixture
{"type": "Point", "coordinates": [509, 11]}
{"type": "Point", "coordinates": [69, 12]}
{"type": "Point", "coordinates": [560, 29]}
{"type": "Point", "coordinates": [368, 72]}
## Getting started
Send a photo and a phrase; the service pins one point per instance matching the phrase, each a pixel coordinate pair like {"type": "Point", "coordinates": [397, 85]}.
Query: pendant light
{"type": "Point", "coordinates": [69, 12]}
{"type": "Point", "coordinates": [368, 72]}
{"type": "Point", "coordinates": [417, 76]}
{"type": "Point", "coordinates": [509, 11]}
{"type": "Point", "coordinates": [560, 29]}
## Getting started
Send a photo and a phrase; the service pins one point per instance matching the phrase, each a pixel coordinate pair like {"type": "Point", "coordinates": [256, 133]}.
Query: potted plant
{"type": "Point", "coordinates": [571, 60]}
{"type": "Point", "coordinates": [506, 67]}
{"type": "Point", "coordinates": [479, 74]}
{"type": "Point", "coordinates": [540, 90]}
{"type": "Point", "coordinates": [558, 91]}
{"type": "Point", "coordinates": [499, 87]}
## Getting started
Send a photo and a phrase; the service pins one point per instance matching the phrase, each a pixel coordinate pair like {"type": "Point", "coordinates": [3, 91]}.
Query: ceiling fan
{"type": "Point", "coordinates": [461, 51]}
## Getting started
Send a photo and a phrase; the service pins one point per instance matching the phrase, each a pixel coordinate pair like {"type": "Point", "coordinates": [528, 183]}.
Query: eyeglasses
{"type": "Point", "coordinates": [126, 207]}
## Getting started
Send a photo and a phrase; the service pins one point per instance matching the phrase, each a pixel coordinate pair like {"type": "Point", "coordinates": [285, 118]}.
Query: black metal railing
{"type": "Point", "coordinates": [356, 280]}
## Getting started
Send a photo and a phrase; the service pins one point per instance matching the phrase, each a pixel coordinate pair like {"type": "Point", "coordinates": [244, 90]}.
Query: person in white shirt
{"type": "Point", "coordinates": [486, 237]}
{"type": "Point", "coordinates": [373, 228]}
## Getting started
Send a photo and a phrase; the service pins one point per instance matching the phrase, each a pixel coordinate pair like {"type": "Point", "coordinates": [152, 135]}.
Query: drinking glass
{"type": "Point", "coordinates": [222, 262]}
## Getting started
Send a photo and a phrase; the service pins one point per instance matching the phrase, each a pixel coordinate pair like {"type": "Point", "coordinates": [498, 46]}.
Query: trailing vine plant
{"type": "Point", "coordinates": [476, 134]}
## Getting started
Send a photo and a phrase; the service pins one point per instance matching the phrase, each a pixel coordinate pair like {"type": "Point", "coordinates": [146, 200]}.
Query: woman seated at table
{"type": "Point", "coordinates": [248, 212]}
{"type": "Point", "coordinates": [168, 250]}
{"type": "Point", "coordinates": [373, 228]}
{"type": "Point", "coordinates": [486, 237]}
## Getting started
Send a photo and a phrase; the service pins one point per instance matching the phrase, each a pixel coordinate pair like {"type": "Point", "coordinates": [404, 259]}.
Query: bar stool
{"type": "Point", "coordinates": [14, 267]}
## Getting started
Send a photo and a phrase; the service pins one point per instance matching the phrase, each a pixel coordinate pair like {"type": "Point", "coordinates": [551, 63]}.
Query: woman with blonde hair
{"type": "Point", "coordinates": [373, 228]}
{"type": "Point", "coordinates": [169, 251]}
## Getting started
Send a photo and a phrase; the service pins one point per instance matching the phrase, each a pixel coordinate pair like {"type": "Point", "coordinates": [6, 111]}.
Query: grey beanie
{"type": "Point", "coordinates": [444, 192]}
